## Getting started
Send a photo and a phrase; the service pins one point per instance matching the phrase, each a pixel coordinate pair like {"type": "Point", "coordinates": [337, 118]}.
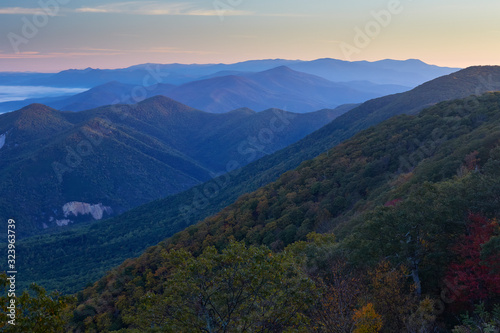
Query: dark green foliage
{"type": "Point", "coordinates": [36, 311]}
{"type": "Point", "coordinates": [480, 321]}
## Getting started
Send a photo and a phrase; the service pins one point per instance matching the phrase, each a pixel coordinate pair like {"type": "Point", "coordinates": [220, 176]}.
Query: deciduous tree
{"type": "Point", "coordinates": [241, 289]}
{"type": "Point", "coordinates": [472, 277]}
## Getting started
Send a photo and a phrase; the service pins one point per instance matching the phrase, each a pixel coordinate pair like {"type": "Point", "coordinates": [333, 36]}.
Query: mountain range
{"type": "Point", "coordinates": [63, 167]}
{"type": "Point", "coordinates": [280, 87]}
{"type": "Point", "coordinates": [162, 218]}
{"type": "Point", "coordinates": [408, 73]}
{"type": "Point", "coordinates": [297, 86]}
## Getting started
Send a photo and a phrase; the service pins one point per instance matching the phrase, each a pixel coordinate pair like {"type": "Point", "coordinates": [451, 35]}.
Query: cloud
{"type": "Point", "coordinates": [287, 15]}
{"type": "Point", "coordinates": [88, 51]}
{"type": "Point", "coordinates": [176, 50]}
{"type": "Point", "coordinates": [23, 11]}
{"type": "Point", "coordinates": [149, 8]}
{"type": "Point", "coordinates": [155, 8]}
{"type": "Point", "coordinates": [93, 10]}
{"type": "Point", "coordinates": [20, 55]}
{"type": "Point", "coordinates": [39, 55]}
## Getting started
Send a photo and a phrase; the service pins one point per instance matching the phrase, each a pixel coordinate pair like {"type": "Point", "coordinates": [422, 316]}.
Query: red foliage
{"type": "Point", "coordinates": [393, 203]}
{"type": "Point", "coordinates": [469, 278]}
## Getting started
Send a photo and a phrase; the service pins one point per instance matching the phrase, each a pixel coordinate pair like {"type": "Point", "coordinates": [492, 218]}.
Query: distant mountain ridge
{"type": "Point", "coordinates": [280, 87]}
{"type": "Point", "coordinates": [401, 72]}
{"type": "Point", "coordinates": [411, 72]}
{"type": "Point", "coordinates": [109, 93]}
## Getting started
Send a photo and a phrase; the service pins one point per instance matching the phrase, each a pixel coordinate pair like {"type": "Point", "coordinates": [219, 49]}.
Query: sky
{"type": "Point", "coordinates": [53, 35]}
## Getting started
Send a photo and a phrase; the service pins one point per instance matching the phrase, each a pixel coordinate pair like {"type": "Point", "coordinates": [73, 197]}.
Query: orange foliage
{"type": "Point", "coordinates": [367, 320]}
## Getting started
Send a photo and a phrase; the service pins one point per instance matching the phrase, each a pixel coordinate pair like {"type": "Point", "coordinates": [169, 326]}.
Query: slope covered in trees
{"type": "Point", "coordinates": [399, 197]}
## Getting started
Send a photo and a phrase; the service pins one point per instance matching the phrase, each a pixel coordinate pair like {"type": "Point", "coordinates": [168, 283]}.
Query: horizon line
{"type": "Point", "coordinates": [237, 62]}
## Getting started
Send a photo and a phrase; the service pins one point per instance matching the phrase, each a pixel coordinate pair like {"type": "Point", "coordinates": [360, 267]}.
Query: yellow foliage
{"type": "Point", "coordinates": [367, 320]}
{"type": "Point", "coordinates": [321, 239]}
{"type": "Point", "coordinates": [392, 297]}
{"type": "Point", "coordinates": [422, 320]}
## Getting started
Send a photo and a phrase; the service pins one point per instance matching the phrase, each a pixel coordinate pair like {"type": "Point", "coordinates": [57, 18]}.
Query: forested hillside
{"type": "Point", "coordinates": [399, 197]}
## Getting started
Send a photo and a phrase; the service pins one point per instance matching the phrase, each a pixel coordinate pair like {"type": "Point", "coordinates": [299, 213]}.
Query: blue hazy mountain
{"type": "Point", "coordinates": [280, 87]}
{"type": "Point", "coordinates": [407, 73]}
{"type": "Point", "coordinates": [410, 72]}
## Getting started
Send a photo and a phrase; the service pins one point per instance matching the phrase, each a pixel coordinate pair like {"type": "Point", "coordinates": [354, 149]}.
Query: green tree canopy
{"type": "Point", "coordinates": [240, 289]}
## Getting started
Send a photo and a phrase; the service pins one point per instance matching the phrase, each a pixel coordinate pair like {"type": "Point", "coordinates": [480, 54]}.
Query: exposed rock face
{"type": "Point", "coordinates": [81, 208]}
{"type": "Point", "coordinates": [2, 140]}
{"type": "Point", "coordinates": [62, 223]}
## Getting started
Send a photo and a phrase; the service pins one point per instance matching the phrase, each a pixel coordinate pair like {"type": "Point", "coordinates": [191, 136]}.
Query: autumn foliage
{"type": "Point", "coordinates": [470, 278]}
{"type": "Point", "coordinates": [336, 310]}
{"type": "Point", "coordinates": [367, 320]}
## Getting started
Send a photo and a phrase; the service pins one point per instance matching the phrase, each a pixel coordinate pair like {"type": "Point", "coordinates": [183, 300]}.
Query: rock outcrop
{"type": "Point", "coordinates": [76, 208]}
{"type": "Point", "coordinates": [63, 223]}
{"type": "Point", "coordinates": [2, 140]}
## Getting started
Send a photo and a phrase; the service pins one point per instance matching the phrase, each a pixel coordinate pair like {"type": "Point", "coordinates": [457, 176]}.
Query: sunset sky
{"type": "Point", "coordinates": [113, 34]}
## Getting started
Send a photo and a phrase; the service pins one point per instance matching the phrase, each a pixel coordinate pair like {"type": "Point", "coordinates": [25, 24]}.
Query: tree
{"type": "Point", "coordinates": [367, 320]}
{"type": "Point", "coordinates": [423, 319]}
{"type": "Point", "coordinates": [339, 286]}
{"type": "Point", "coordinates": [411, 234]}
{"type": "Point", "coordinates": [38, 313]}
{"type": "Point", "coordinates": [472, 277]}
{"type": "Point", "coordinates": [341, 291]}
{"type": "Point", "coordinates": [481, 321]}
{"type": "Point", "coordinates": [490, 252]}
{"type": "Point", "coordinates": [240, 289]}
{"type": "Point", "coordinates": [392, 298]}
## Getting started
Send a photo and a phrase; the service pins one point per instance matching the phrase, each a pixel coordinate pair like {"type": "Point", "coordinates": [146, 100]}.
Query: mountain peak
{"type": "Point", "coordinates": [112, 84]}
{"type": "Point", "coordinates": [244, 111]}
{"type": "Point", "coordinates": [158, 99]}
{"type": "Point", "coordinates": [40, 120]}
{"type": "Point", "coordinates": [36, 109]}
{"type": "Point", "coordinates": [280, 69]}
{"type": "Point", "coordinates": [163, 105]}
